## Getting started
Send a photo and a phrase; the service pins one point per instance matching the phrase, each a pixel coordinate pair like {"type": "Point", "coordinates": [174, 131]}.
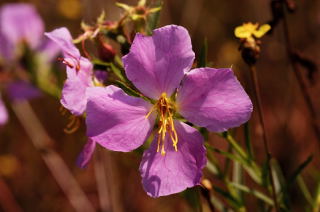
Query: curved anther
{"type": "Point", "coordinates": [74, 121]}
{"type": "Point", "coordinates": [165, 109]}
{"type": "Point", "coordinates": [73, 125]}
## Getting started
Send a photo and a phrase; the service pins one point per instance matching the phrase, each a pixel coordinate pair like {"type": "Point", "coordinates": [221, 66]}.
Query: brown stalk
{"type": "Point", "coordinates": [257, 96]}
{"type": "Point", "coordinates": [115, 193]}
{"type": "Point", "coordinates": [43, 143]}
{"type": "Point", "coordinates": [295, 66]}
{"type": "Point", "coordinates": [102, 181]}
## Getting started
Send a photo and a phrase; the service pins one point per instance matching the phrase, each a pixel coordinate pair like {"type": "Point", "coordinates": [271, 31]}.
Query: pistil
{"type": "Point", "coordinates": [165, 109]}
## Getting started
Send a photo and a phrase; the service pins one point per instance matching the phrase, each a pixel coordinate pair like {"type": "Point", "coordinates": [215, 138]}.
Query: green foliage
{"type": "Point", "coordinates": [203, 55]}
{"type": "Point", "coordinates": [192, 195]}
{"type": "Point", "coordinates": [153, 18]}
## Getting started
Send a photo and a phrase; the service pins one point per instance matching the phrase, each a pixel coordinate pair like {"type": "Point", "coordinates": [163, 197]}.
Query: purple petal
{"type": "Point", "coordinates": [157, 63]}
{"type": "Point", "coordinates": [213, 98]}
{"type": "Point", "coordinates": [6, 49]}
{"type": "Point", "coordinates": [21, 22]}
{"type": "Point", "coordinates": [49, 49]}
{"type": "Point", "coordinates": [74, 96]}
{"type": "Point", "coordinates": [85, 68]}
{"type": "Point", "coordinates": [175, 171]}
{"type": "Point", "coordinates": [117, 121]}
{"type": "Point", "coordinates": [21, 90]}
{"type": "Point", "coordinates": [63, 39]}
{"type": "Point", "coordinates": [101, 76]}
{"type": "Point", "coordinates": [86, 154]}
{"type": "Point", "coordinates": [3, 113]}
{"type": "Point", "coordinates": [79, 75]}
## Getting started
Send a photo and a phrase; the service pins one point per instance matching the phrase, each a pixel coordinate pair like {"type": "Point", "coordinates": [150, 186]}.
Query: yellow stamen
{"type": "Point", "coordinates": [73, 125]}
{"type": "Point", "coordinates": [152, 109]}
{"type": "Point", "coordinates": [165, 109]}
{"type": "Point", "coordinates": [63, 110]}
{"type": "Point", "coordinates": [159, 141]}
{"type": "Point", "coordinates": [97, 83]}
{"type": "Point", "coordinates": [74, 121]}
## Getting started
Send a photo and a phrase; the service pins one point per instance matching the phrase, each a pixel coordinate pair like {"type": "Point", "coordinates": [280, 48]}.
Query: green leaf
{"type": "Point", "coordinates": [235, 145]}
{"type": "Point", "coordinates": [118, 61]}
{"type": "Point", "coordinates": [43, 76]}
{"type": "Point", "coordinates": [100, 63]}
{"type": "Point", "coordinates": [250, 168]}
{"type": "Point", "coordinates": [265, 174]}
{"type": "Point", "coordinates": [300, 168]}
{"type": "Point", "coordinates": [155, 9]}
{"type": "Point", "coordinates": [204, 132]}
{"type": "Point", "coordinates": [136, 17]}
{"type": "Point", "coordinates": [117, 72]}
{"type": "Point", "coordinates": [153, 18]}
{"type": "Point", "coordinates": [212, 168]}
{"type": "Point", "coordinates": [123, 6]}
{"type": "Point", "coordinates": [227, 161]}
{"type": "Point", "coordinates": [304, 189]}
{"type": "Point", "coordinates": [237, 177]}
{"type": "Point", "coordinates": [248, 140]}
{"type": "Point", "coordinates": [142, 3]}
{"type": "Point", "coordinates": [101, 17]}
{"type": "Point", "coordinates": [230, 199]}
{"type": "Point", "coordinates": [218, 204]}
{"type": "Point", "coordinates": [192, 195]}
{"type": "Point", "coordinates": [316, 201]}
{"type": "Point", "coordinates": [281, 186]}
{"type": "Point", "coordinates": [85, 26]}
{"type": "Point", "coordinates": [212, 164]}
{"type": "Point", "coordinates": [202, 60]}
{"type": "Point", "coordinates": [127, 89]}
{"type": "Point", "coordinates": [254, 192]}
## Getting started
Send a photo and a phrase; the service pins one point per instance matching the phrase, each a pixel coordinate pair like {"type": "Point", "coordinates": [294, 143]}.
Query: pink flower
{"type": "Point", "coordinates": [159, 66]}
{"type": "Point", "coordinates": [79, 72]}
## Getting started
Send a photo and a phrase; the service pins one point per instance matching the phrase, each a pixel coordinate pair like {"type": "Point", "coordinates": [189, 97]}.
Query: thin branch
{"type": "Point", "coordinates": [256, 92]}
{"type": "Point", "coordinates": [43, 143]}
{"type": "Point", "coordinates": [102, 181]}
{"type": "Point", "coordinates": [114, 188]}
{"type": "Point", "coordinates": [295, 66]}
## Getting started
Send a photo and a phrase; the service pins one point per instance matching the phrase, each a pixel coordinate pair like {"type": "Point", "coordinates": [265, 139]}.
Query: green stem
{"type": "Point", "coordinates": [316, 202]}
{"type": "Point", "coordinates": [255, 193]}
{"type": "Point", "coordinates": [235, 145]}
{"type": "Point", "coordinates": [227, 161]}
{"type": "Point", "coordinates": [304, 190]}
{"type": "Point", "coordinates": [256, 92]}
{"type": "Point", "coordinates": [232, 196]}
{"type": "Point", "coordinates": [248, 140]}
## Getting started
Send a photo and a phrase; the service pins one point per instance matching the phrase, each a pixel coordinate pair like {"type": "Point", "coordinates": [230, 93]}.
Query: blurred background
{"type": "Point", "coordinates": [28, 185]}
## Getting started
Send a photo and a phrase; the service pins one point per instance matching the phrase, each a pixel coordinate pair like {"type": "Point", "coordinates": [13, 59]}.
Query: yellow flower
{"type": "Point", "coordinates": [248, 30]}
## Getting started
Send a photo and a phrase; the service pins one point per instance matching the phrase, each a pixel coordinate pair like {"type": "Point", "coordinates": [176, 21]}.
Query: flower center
{"type": "Point", "coordinates": [165, 109]}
